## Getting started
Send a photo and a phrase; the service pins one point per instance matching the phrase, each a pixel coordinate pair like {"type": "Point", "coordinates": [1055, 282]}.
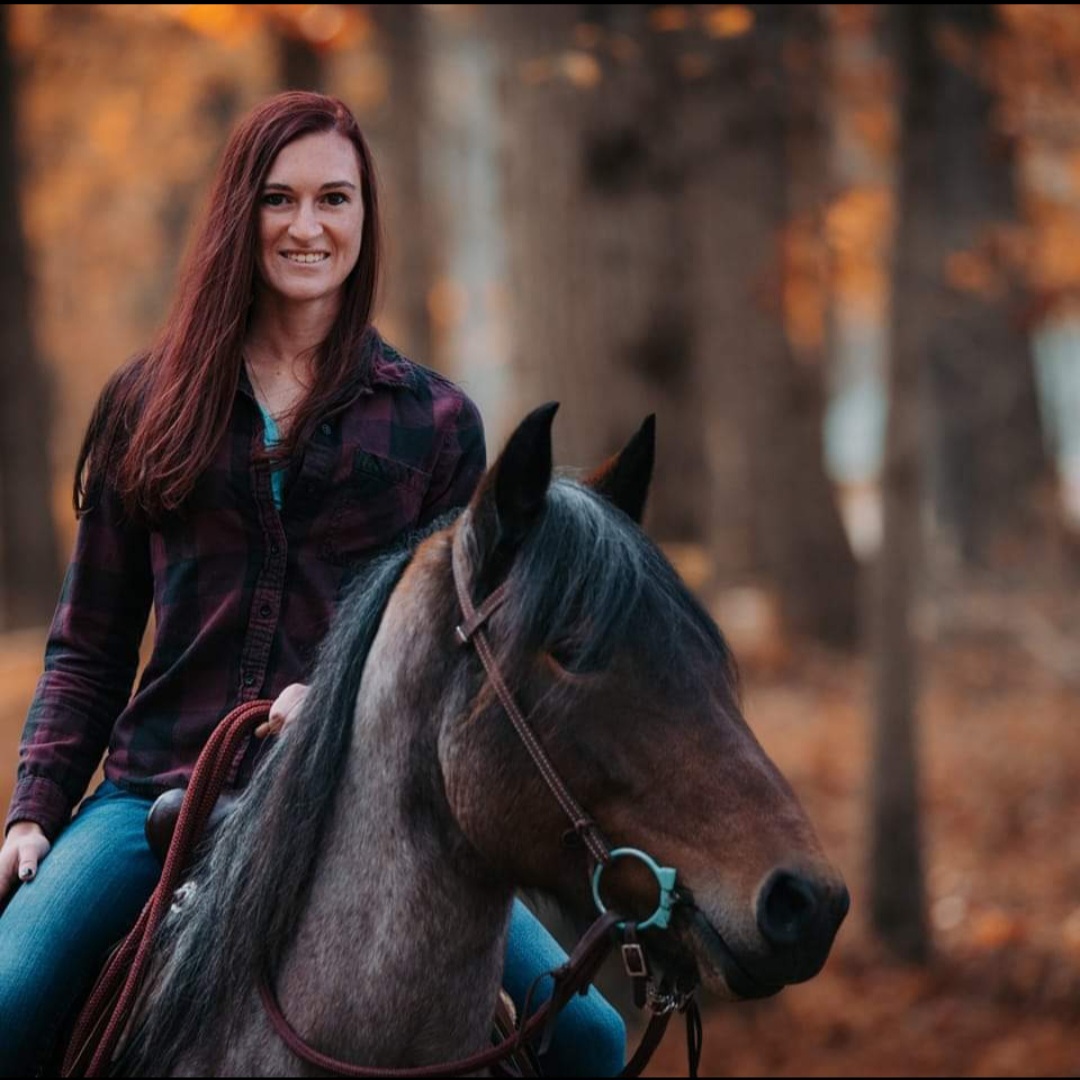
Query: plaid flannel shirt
{"type": "Point", "coordinates": [242, 593]}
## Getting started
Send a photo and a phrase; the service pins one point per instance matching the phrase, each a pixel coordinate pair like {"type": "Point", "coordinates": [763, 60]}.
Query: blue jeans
{"type": "Point", "coordinates": [57, 931]}
{"type": "Point", "coordinates": [590, 1037]}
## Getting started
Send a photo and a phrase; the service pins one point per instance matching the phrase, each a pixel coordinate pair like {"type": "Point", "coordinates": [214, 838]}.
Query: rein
{"type": "Point", "coordinates": [110, 1002]}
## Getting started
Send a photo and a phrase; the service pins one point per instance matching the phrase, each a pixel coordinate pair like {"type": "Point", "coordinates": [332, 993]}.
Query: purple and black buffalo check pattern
{"type": "Point", "coordinates": [242, 593]}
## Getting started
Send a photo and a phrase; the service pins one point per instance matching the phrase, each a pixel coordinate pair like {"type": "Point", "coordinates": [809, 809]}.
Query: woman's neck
{"type": "Point", "coordinates": [283, 336]}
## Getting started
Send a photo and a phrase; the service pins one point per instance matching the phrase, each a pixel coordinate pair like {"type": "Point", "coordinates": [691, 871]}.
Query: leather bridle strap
{"type": "Point", "coordinates": [471, 630]}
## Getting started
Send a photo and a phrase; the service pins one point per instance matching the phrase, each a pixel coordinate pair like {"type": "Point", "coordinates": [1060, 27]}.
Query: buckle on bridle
{"type": "Point", "coordinates": [634, 961]}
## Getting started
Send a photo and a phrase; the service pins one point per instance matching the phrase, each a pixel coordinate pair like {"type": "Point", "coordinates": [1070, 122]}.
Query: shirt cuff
{"type": "Point", "coordinates": [41, 800]}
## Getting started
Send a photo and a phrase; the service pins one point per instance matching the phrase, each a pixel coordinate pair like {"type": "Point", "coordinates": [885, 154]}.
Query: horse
{"type": "Point", "coordinates": [368, 871]}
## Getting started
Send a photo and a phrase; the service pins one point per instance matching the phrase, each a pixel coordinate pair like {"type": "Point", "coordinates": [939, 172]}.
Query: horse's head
{"type": "Point", "coordinates": [632, 691]}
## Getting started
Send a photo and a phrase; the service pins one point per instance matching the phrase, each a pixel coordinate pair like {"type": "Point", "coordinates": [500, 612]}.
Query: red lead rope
{"type": "Point", "coordinates": [120, 981]}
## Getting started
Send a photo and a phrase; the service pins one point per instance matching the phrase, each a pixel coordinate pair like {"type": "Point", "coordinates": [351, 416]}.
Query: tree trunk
{"type": "Point", "coordinates": [897, 891]}
{"type": "Point", "coordinates": [396, 131]}
{"type": "Point", "coordinates": [645, 193]}
{"type": "Point", "coordinates": [300, 63]}
{"type": "Point", "coordinates": [742, 205]}
{"type": "Point", "coordinates": [989, 454]}
{"type": "Point", "coordinates": [29, 561]}
{"type": "Point", "coordinates": [562, 266]}
{"type": "Point", "coordinates": [636, 172]}
{"type": "Point", "coordinates": [813, 558]}
{"type": "Point", "coordinates": [457, 213]}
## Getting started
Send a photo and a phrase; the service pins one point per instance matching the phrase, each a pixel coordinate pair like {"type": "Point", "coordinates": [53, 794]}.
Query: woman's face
{"type": "Point", "coordinates": [311, 218]}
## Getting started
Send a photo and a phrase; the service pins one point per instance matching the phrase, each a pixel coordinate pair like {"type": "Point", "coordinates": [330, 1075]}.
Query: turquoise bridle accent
{"type": "Point", "coordinates": [665, 878]}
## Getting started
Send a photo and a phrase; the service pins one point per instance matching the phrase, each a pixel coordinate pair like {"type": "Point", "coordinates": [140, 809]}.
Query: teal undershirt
{"type": "Point", "coordinates": [271, 437]}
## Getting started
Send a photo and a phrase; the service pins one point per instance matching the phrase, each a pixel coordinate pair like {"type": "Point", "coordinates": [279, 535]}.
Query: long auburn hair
{"type": "Point", "coordinates": [160, 419]}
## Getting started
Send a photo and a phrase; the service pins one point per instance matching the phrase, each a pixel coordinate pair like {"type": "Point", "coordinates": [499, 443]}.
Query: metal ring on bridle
{"type": "Point", "coordinates": [665, 878]}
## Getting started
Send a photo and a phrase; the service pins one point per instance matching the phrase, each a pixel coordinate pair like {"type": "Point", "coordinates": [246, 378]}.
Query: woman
{"type": "Point", "coordinates": [230, 476]}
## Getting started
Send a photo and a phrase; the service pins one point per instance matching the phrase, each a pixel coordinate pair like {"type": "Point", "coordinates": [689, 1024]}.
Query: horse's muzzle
{"type": "Point", "coordinates": [797, 917]}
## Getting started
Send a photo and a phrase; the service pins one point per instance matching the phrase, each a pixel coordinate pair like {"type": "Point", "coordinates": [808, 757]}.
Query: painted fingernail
{"type": "Point", "coordinates": [26, 873]}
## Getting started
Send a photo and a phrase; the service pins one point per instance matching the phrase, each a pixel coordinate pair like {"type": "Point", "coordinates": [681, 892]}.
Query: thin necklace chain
{"type": "Point", "coordinates": [263, 400]}
{"type": "Point", "coordinates": [260, 393]}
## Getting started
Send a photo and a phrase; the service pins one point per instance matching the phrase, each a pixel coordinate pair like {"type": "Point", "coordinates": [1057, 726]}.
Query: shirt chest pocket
{"type": "Point", "coordinates": [379, 499]}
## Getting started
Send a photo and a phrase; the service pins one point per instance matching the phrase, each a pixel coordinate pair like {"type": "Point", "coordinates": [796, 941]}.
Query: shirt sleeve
{"type": "Point", "coordinates": [460, 464]}
{"type": "Point", "coordinates": [91, 658]}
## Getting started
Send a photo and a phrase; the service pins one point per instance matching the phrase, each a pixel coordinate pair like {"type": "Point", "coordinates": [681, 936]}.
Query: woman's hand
{"type": "Point", "coordinates": [25, 846]}
{"type": "Point", "coordinates": [284, 710]}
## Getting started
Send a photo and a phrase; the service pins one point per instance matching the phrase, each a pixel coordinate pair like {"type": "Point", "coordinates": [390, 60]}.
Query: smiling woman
{"type": "Point", "coordinates": [234, 475]}
{"type": "Point", "coordinates": [310, 231]}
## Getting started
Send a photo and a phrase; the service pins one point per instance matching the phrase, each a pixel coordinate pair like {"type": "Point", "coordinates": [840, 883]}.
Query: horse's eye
{"type": "Point", "coordinates": [569, 656]}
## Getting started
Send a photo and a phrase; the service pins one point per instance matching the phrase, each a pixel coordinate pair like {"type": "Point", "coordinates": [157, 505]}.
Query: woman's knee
{"type": "Point", "coordinates": [591, 1039]}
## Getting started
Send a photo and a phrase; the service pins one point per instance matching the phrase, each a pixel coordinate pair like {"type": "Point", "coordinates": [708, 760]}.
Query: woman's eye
{"type": "Point", "coordinates": [273, 198]}
{"type": "Point", "coordinates": [337, 198]}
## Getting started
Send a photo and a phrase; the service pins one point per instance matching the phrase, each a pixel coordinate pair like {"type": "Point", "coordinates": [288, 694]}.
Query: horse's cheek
{"type": "Point", "coordinates": [464, 789]}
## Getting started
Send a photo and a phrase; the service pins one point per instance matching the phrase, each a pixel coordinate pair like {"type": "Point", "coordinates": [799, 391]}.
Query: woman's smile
{"type": "Point", "coordinates": [305, 258]}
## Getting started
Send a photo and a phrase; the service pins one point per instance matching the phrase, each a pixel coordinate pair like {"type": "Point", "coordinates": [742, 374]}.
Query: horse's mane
{"type": "Point", "coordinates": [254, 879]}
{"type": "Point", "coordinates": [585, 582]}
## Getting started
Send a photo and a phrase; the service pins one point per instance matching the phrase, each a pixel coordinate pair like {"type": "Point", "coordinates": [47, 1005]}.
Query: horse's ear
{"type": "Point", "coordinates": [624, 478]}
{"type": "Point", "coordinates": [511, 495]}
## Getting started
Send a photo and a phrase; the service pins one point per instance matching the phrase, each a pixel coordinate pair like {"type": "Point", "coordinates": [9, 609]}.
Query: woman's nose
{"type": "Point", "coordinates": [305, 224]}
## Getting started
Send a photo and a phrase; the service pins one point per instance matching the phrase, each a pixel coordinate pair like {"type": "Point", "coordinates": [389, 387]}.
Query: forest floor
{"type": "Point", "coordinates": [1000, 749]}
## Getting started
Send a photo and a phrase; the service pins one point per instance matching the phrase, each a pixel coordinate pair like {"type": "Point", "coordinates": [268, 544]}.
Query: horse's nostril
{"type": "Point", "coordinates": [787, 908]}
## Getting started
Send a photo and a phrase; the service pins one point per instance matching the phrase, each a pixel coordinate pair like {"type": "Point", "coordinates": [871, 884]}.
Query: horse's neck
{"type": "Point", "coordinates": [398, 956]}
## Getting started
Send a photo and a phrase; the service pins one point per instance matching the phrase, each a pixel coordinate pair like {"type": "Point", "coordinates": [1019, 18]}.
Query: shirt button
{"type": "Point", "coordinates": [264, 611]}
{"type": "Point", "coordinates": [325, 429]}
{"type": "Point", "coordinates": [274, 549]}
{"type": "Point", "coordinates": [249, 679]}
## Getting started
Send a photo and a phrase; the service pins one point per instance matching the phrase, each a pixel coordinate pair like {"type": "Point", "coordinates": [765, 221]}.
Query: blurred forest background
{"type": "Point", "coordinates": [836, 249]}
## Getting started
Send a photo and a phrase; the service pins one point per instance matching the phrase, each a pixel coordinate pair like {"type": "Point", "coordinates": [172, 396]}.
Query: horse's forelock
{"type": "Point", "coordinates": [589, 575]}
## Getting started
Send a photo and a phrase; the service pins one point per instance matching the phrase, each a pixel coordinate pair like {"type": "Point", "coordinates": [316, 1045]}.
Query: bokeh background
{"type": "Point", "coordinates": [836, 250]}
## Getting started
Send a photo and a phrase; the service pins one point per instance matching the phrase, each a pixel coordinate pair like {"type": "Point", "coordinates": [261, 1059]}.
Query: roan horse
{"type": "Point", "coordinates": [368, 870]}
